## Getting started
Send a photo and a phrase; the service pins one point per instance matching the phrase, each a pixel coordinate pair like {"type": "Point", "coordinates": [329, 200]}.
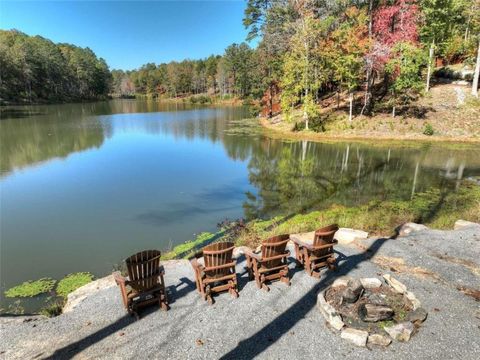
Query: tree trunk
{"type": "Point", "coordinates": [350, 98]}
{"type": "Point", "coordinates": [429, 71]}
{"type": "Point", "coordinates": [367, 106]}
{"type": "Point", "coordinates": [270, 102]}
{"type": "Point", "coordinates": [476, 75]}
{"type": "Point", "coordinates": [305, 115]}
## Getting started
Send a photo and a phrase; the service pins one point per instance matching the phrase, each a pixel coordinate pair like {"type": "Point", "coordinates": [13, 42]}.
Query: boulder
{"type": "Point", "coordinates": [371, 283]}
{"type": "Point", "coordinates": [329, 312]}
{"type": "Point", "coordinates": [353, 290]}
{"type": "Point", "coordinates": [460, 224]}
{"type": "Point", "coordinates": [374, 313]}
{"type": "Point", "coordinates": [346, 236]}
{"type": "Point", "coordinates": [79, 295]}
{"type": "Point", "coordinates": [379, 340]}
{"type": "Point", "coordinates": [400, 332]}
{"type": "Point", "coordinates": [408, 228]}
{"type": "Point", "coordinates": [417, 316]}
{"type": "Point", "coordinates": [356, 337]}
{"type": "Point", "coordinates": [395, 284]}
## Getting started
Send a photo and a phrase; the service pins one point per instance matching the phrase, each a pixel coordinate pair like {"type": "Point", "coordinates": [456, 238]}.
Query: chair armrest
{"type": "Point", "coordinates": [326, 246]}
{"type": "Point", "coordinates": [195, 264]}
{"type": "Point", "coordinates": [250, 253]}
{"type": "Point", "coordinates": [119, 278]}
{"type": "Point", "coordinates": [281, 256]}
{"type": "Point", "coordinates": [303, 244]}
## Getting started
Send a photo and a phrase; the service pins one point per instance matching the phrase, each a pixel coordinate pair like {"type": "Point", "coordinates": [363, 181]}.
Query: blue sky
{"type": "Point", "coordinates": [128, 34]}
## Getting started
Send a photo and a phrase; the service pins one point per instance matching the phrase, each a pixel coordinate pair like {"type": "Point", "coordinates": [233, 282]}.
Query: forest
{"type": "Point", "coordinates": [300, 52]}
{"type": "Point", "coordinates": [34, 70]}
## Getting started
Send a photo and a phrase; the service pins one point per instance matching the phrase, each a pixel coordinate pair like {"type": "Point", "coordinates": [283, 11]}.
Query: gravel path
{"type": "Point", "coordinates": [283, 323]}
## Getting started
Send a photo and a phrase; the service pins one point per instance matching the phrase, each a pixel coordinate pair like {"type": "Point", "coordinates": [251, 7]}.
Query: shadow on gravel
{"type": "Point", "coordinates": [268, 335]}
{"type": "Point", "coordinates": [72, 349]}
{"type": "Point", "coordinates": [69, 351]}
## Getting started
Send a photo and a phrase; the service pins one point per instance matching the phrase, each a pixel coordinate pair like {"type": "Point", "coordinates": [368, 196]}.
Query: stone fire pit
{"type": "Point", "coordinates": [370, 311]}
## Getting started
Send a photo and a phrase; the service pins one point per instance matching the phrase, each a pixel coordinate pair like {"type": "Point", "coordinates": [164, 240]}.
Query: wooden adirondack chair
{"type": "Point", "coordinates": [217, 273]}
{"type": "Point", "coordinates": [318, 254]}
{"type": "Point", "coordinates": [271, 263]}
{"type": "Point", "coordinates": [145, 284]}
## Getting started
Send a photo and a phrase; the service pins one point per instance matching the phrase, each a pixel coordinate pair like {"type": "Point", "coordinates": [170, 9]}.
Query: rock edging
{"type": "Point", "coordinates": [401, 331]}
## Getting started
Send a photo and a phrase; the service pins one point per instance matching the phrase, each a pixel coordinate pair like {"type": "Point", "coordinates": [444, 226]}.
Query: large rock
{"type": "Point", "coordinates": [329, 312]}
{"type": "Point", "coordinates": [400, 332]}
{"type": "Point", "coordinates": [460, 224]}
{"type": "Point", "coordinates": [77, 296]}
{"type": "Point", "coordinates": [346, 236]}
{"type": "Point", "coordinates": [356, 337]}
{"type": "Point", "coordinates": [408, 228]}
{"type": "Point", "coordinates": [395, 284]}
{"type": "Point", "coordinates": [379, 340]}
{"type": "Point", "coordinates": [374, 313]}
{"type": "Point", "coordinates": [352, 291]}
{"type": "Point", "coordinates": [371, 283]}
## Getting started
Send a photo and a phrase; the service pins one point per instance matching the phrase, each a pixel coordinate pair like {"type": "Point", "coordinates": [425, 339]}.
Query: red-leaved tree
{"type": "Point", "coordinates": [393, 24]}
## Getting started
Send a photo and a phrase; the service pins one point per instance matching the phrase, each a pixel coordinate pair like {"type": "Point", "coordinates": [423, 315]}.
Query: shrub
{"type": "Point", "coordinates": [52, 309]}
{"type": "Point", "coordinates": [428, 130]}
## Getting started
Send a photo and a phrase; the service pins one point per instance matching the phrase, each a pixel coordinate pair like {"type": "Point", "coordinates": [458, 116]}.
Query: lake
{"type": "Point", "coordinates": [85, 185]}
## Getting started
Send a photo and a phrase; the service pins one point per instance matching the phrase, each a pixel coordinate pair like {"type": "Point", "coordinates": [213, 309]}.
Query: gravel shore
{"type": "Point", "coordinates": [440, 267]}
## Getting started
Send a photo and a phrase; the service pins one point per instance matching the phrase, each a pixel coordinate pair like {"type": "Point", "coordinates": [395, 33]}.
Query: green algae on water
{"type": "Point", "coordinates": [31, 288]}
{"type": "Point", "coordinates": [72, 282]}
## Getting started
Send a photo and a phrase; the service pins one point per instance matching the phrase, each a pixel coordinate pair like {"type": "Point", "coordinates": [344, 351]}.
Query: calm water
{"type": "Point", "coordinates": [85, 185]}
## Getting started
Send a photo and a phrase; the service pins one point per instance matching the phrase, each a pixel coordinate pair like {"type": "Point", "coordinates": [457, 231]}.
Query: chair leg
{"type": "Point", "coordinates": [307, 262]}
{"type": "Point", "coordinates": [123, 291]}
{"type": "Point", "coordinates": [298, 255]}
{"type": "Point", "coordinates": [285, 278]}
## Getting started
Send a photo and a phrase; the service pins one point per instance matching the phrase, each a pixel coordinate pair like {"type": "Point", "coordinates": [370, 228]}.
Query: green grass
{"type": "Point", "coordinates": [31, 288]}
{"type": "Point", "coordinates": [431, 208]}
{"type": "Point", "coordinates": [188, 247]}
{"type": "Point", "coordinates": [72, 282]}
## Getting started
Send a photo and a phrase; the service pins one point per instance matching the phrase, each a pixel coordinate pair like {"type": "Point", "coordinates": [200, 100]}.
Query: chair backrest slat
{"type": "Point", "coordinates": [324, 236]}
{"type": "Point", "coordinates": [274, 246]}
{"type": "Point", "coordinates": [216, 255]}
{"type": "Point", "coordinates": [141, 269]}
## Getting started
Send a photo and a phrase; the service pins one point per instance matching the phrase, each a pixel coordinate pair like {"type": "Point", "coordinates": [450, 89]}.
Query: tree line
{"type": "Point", "coordinates": [306, 50]}
{"type": "Point", "coordinates": [34, 69]}
{"type": "Point", "coordinates": [235, 73]}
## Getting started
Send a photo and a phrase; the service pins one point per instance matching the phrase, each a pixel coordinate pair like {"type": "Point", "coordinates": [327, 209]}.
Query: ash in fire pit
{"type": "Point", "coordinates": [370, 311]}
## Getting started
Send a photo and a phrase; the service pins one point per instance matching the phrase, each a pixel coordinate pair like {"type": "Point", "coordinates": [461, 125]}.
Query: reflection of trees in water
{"type": "Point", "coordinates": [33, 134]}
{"type": "Point", "coordinates": [29, 141]}
{"type": "Point", "coordinates": [293, 177]}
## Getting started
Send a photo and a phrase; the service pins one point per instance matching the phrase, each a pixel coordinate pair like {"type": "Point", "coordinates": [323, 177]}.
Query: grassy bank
{"type": "Point", "coordinates": [433, 208]}
{"type": "Point", "coordinates": [447, 113]}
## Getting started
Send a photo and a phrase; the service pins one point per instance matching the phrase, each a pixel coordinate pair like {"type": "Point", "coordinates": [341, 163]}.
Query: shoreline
{"type": "Point", "coordinates": [412, 139]}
